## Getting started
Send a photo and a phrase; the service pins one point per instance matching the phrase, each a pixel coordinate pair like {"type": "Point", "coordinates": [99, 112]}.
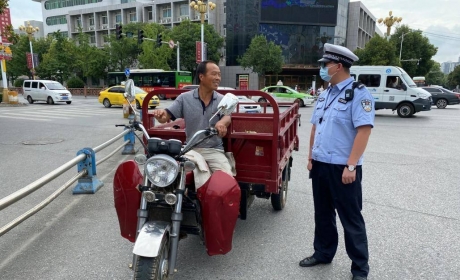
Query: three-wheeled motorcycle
{"type": "Point", "coordinates": [160, 206]}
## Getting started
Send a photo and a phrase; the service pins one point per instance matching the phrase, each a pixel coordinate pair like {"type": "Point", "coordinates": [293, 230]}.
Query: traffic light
{"type": "Point", "coordinates": [140, 36]}
{"type": "Point", "coordinates": [159, 40]}
{"type": "Point", "coordinates": [119, 31]}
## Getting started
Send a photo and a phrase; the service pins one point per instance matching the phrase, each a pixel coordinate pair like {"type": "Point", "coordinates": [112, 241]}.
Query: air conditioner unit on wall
{"type": "Point", "coordinates": [91, 28]}
{"type": "Point", "coordinates": [104, 27]}
{"type": "Point", "coordinates": [168, 20]}
{"type": "Point", "coordinates": [206, 16]}
{"type": "Point", "coordinates": [179, 19]}
{"type": "Point", "coordinates": [197, 17]}
{"type": "Point", "coordinates": [187, 17]}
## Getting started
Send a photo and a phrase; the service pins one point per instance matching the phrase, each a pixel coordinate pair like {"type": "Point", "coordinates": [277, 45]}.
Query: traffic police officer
{"type": "Point", "coordinates": [342, 123]}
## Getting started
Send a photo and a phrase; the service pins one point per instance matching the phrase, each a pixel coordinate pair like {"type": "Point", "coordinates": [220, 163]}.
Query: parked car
{"type": "Point", "coordinates": [114, 96]}
{"type": "Point", "coordinates": [248, 108]}
{"type": "Point", "coordinates": [285, 94]}
{"type": "Point", "coordinates": [45, 90]}
{"type": "Point", "coordinates": [442, 97]}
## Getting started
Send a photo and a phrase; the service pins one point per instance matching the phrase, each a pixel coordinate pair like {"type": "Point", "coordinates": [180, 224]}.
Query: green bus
{"type": "Point", "coordinates": [151, 79]}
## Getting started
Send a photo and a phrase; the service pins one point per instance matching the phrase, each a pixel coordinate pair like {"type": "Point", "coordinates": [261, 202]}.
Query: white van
{"type": "Point", "coordinates": [393, 89]}
{"type": "Point", "coordinates": [44, 90]}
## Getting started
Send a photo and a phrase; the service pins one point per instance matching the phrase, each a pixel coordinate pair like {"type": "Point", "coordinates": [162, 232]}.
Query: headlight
{"type": "Point", "coordinates": [161, 170]}
{"type": "Point", "coordinates": [423, 95]}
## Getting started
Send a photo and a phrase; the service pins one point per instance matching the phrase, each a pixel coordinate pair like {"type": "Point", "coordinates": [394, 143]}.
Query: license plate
{"type": "Point", "coordinates": [251, 112]}
{"type": "Point", "coordinates": [64, 97]}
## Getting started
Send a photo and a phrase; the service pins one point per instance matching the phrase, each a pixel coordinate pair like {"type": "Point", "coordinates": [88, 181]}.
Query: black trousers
{"type": "Point", "coordinates": [331, 195]}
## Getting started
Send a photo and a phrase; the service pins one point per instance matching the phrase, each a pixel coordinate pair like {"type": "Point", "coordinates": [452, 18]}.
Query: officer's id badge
{"type": "Point", "coordinates": [321, 99]}
{"type": "Point", "coordinates": [343, 101]}
{"type": "Point", "coordinates": [367, 105]}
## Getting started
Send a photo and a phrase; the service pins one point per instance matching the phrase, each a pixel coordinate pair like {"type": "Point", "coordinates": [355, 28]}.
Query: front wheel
{"type": "Point", "coordinates": [68, 102]}
{"type": "Point", "coordinates": [50, 100]}
{"type": "Point", "coordinates": [162, 96]}
{"type": "Point", "coordinates": [154, 268]}
{"type": "Point", "coordinates": [262, 100]}
{"type": "Point", "coordinates": [106, 103]}
{"type": "Point", "coordinates": [405, 110]}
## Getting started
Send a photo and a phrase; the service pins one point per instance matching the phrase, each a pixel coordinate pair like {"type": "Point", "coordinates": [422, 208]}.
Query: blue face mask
{"type": "Point", "coordinates": [324, 73]}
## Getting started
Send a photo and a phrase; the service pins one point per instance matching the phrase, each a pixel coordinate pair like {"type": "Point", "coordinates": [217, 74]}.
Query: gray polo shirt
{"type": "Point", "coordinates": [191, 108]}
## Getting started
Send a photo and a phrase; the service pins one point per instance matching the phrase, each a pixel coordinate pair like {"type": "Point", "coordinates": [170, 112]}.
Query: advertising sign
{"type": "Point", "coordinates": [243, 81]}
{"type": "Point", "coordinates": [198, 52]}
{"type": "Point", "coordinates": [309, 12]}
{"type": "Point", "coordinates": [5, 20]}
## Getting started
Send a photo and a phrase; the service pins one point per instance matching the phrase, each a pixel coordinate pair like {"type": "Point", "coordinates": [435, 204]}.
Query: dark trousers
{"type": "Point", "coordinates": [330, 194]}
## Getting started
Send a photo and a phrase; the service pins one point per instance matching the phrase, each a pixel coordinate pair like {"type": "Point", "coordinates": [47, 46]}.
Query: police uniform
{"type": "Point", "coordinates": [336, 118]}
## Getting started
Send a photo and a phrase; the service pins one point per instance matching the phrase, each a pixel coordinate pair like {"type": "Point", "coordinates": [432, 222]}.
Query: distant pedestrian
{"type": "Point", "coordinates": [279, 83]}
{"type": "Point", "coordinates": [295, 88]}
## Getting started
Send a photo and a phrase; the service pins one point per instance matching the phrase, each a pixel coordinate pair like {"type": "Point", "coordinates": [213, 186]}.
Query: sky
{"type": "Point", "coordinates": [439, 19]}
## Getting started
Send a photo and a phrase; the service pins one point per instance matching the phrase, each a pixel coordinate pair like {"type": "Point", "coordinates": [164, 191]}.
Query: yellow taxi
{"type": "Point", "coordinates": [114, 96]}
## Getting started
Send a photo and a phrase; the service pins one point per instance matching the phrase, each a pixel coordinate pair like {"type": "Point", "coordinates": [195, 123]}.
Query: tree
{"type": "Point", "coordinates": [378, 51]}
{"type": "Point", "coordinates": [17, 66]}
{"type": "Point", "coordinates": [187, 33]}
{"type": "Point", "coordinates": [435, 76]}
{"type": "Point", "coordinates": [262, 57]}
{"type": "Point", "coordinates": [60, 61]}
{"type": "Point", "coordinates": [90, 61]}
{"type": "Point", "coordinates": [414, 46]}
{"type": "Point", "coordinates": [152, 56]}
{"type": "Point", "coordinates": [123, 53]}
{"type": "Point", "coordinates": [453, 79]}
{"type": "Point", "coordinates": [3, 5]}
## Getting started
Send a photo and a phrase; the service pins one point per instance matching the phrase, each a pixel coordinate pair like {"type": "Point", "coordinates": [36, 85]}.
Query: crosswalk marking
{"type": "Point", "coordinates": [23, 118]}
{"type": "Point", "coordinates": [38, 116]}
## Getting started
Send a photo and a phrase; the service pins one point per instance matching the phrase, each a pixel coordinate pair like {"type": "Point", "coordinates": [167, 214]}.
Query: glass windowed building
{"type": "Point", "coordinates": [300, 27]}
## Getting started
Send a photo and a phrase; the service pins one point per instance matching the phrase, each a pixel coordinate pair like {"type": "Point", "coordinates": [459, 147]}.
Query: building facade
{"type": "Point", "coordinates": [300, 27]}
{"type": "Point", "coordinates": [448, 67]}
{"type": "Point", "coordinates": [361, 26]}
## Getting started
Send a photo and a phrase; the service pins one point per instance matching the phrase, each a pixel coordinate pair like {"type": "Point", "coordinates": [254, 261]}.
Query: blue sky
{"type": "Point", "coordinates": [440, 19]}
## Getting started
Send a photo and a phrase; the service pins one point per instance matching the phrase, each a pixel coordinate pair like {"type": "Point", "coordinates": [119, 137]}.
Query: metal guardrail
{"type": "Point", "coordinates": [86, 177]}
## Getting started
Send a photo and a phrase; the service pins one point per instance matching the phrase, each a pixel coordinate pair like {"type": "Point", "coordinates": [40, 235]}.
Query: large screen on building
{"type": "Point", "coordinates": [309, 12]}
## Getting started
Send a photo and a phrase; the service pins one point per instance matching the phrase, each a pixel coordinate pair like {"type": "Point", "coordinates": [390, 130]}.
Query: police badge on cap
{"type": "Point", "coordinates": [338, 54]}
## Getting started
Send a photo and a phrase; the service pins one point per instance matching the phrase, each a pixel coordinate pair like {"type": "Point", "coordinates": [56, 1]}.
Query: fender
{"type": "Point", "coordinates": [149, 239]}
{"type": "Point", "coordinates": [127, 197]}
{"type": "Point", "coordinates": [220, 205]}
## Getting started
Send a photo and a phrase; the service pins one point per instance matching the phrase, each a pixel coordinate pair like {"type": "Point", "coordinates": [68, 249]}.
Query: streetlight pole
{"type": "Point", "coordinates": [389, 22]}
{"type": "Point", "coordinates": [30, 30]}
{"type": "Point", "coordinates": [202, 8]}
{"type": "Point", "coordinates": [400, 48]}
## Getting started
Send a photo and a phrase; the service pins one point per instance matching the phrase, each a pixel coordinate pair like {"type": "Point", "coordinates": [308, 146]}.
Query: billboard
{"type": "Point", "coordinates": [5, 20]}
{"type": "Point", "coordinates": [308, 12]}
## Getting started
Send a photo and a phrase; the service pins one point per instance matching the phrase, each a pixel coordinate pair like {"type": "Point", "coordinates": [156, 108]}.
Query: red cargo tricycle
{"type": "Point", "coordinates": [159, 207]}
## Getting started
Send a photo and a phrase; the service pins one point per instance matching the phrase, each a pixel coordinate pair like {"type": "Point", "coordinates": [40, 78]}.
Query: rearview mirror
{"type": "Point", "coordinates": [228, 104]}
{"type": "Point", "coordinates": [129, 90]}
{"type": "Point", "coordinates": [404, 87]}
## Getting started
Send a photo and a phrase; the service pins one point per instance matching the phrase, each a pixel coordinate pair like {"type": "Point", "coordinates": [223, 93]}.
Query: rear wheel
{"type": "Point", "coordinates": [162, 96]}
{"type": "Point", "coordinates": [300, 102]}
{"type": "Point", "coordinates": [30, 100]}
{"type": "Point", "coordinates": [262, 100]}
{"type": "Point", "coordinates": [153, 107]}
{"type": "Point", "coordinates": [106, 103]}
{"type": "Point", "coordinates": [279, 200]}
{"type": "Point", "coordinates": [50, 100]}
{"type": "Point", "coordinates": [405, 110]}
{"type": "Point", "coordinates": [154, 268]}
{"type": "Point", "coordinates": [441, 103]}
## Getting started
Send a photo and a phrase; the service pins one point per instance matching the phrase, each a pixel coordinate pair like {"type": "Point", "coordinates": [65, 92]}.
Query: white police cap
{"type": "Point", "coordinates": [338, 54]}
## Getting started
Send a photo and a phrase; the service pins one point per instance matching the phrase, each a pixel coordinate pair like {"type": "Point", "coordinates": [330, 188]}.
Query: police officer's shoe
{"type": "Point", "coordinates": [359, 278]}
{"type": "Point", "coordinates": [309, 261]}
